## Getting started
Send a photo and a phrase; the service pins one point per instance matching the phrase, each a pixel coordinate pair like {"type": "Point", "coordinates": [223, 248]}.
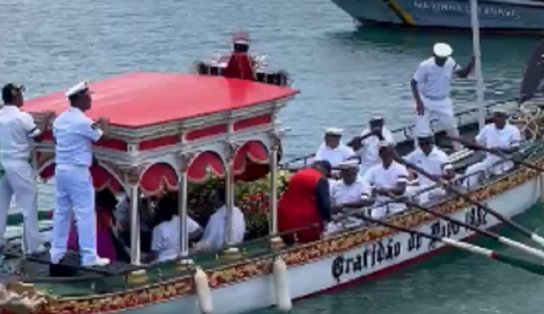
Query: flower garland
{"type": "Point", "coordinates": [251, 197]}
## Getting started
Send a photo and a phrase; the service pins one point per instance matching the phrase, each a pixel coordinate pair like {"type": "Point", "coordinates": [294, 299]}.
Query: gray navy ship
{"type": "Point", "coordinates": [524, 16]}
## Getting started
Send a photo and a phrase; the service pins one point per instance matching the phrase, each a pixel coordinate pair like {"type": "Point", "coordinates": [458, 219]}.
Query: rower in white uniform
{"type": "Point", "coordinates": [333, 150]}
{"type": "Point", "coordinates": [386, 178]}
{"type": "Point", "coordinates": [435, 162]}
{"type": "Point", "coordinates": [74, 134]}
{"type": "Point", "coordinates": [431, 86]}
{"type": "Point", "coordinates": [499, 135]}
{"type": "Point", "coordinates": [349, 191]}
{"type": "Point", "coordinates": [366, 145]}
{"type": "Point", "coordinates": [17, 134]}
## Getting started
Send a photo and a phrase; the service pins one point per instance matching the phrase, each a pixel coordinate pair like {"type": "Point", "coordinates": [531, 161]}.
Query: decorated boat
{"type": "Point", "coordinates": [523, 16]}
{"type": "Point", "coordinates": [208, 128]}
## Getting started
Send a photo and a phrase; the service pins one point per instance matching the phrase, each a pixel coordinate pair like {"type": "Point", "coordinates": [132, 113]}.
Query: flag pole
{"type": "Point", "coordinates": [475, 23]}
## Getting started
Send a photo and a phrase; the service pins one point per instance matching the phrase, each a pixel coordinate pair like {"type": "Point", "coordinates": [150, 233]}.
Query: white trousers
{"type": "Point", "coordinates": [441, 110]}
{"type": "Point", "coordinates": [18, 181]}
{"type": "Point", "coordinates": [429, 195]}
{"type": "Point", "coordinates": [74, 195]}
{"type": "Point", "coordinates": [481, 169]}
{"type": "Point", "coordinates": [387, 210]}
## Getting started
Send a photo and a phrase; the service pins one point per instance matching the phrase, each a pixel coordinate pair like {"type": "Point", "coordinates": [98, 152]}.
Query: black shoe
{"type": "Point", "coordinates": [61, 270]}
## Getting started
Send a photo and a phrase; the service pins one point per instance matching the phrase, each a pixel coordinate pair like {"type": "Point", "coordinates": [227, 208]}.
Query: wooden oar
{"type": "Point", "coordinates": [531, 235]}
{"type": "Point", "coordinates": [471, 248]}
{"type": "Point", "coordinates": [504, 240]}
{"type": "Point", "coordinates": [496, 152]}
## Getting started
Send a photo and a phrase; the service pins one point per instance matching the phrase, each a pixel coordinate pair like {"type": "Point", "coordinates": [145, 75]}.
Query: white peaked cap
{"type": "Point", "coordinates": [442, 50]}
{"type": "Point", "coordinates": [349, 164]}
{"type": "Point", "coordinates": [78, 88]}
{"type": "Point", "coordinates": [334, 131]}
{"type": "Point", "coordinates": [425, 134]}
{"type": "Point", "coordinates": [500, 109]}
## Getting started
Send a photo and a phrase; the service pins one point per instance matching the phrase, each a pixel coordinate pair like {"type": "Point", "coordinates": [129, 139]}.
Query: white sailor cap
{"type": "Point", "coordinates": [81, 87]}
{"type": "Point", "coordinates": [500, 110]}
{"type": "Point", "coordinates": [376, 118]}
{"type": "Point", "coordinates": [334, 131]}
{"type": "Point", "coordinates": [442, 50]}
{"type": "Point", "coordinates": [425, 135]}
{"type": "Point", "coordinates": [349, 164]}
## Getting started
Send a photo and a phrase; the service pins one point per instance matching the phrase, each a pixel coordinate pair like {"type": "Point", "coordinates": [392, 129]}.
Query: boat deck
{"type": "Point", "coordinates": [112, 278]}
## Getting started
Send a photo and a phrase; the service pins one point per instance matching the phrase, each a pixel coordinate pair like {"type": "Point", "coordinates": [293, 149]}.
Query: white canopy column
{"type": "Point", "coordinates": [276, 241]}
{"type": "Point", "coordinates": [182, 207]}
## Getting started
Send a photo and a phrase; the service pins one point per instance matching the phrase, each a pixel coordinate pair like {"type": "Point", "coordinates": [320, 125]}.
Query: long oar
{"type": "Point", "coordinates": [496, 152]}
{"type": "Point", "coordinates": [504, 240]}
{"type": "Point", "coordinates": [501, 257]}
{"type": "Point", "coordinates": [531, 235]}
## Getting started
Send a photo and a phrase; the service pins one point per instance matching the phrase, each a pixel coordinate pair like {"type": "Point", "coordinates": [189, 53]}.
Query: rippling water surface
{"type": "Point", "coordinates": [345, 75]}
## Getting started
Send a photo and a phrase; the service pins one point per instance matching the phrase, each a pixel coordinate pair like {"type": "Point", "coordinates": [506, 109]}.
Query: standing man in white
{"type": "Point", "coordinates": [431, 85]}
{"type": "Point", "coordinates": [17, 132]}
{"type": "Point", "coordinates": [74, 134]}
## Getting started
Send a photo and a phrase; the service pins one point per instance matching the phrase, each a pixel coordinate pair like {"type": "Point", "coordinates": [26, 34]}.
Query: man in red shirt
{"type": "Point", "coordinates": [306, 204]}
{"type": "Point", "coordinates": [240, 64]}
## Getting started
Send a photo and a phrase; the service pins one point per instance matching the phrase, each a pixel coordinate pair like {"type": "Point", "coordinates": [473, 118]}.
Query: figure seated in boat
{"type": "Point", "coordinates": [387, 179]}
{"type": "Point", "coordinates": [107, 244]}
{"type": "Point", "coordinates": [349, 191]}
{"type": "Point", "coordinates": [498, 135]}
{"type": "Point", "coordinates": [333, 150]}
{"type": "Point", "coordinates": [122, 223]}
{"type": "Point", "coordinates": [165, 243]}
{"type": "Point", "coordinates": [305, 205]}
{"type": "Point", "coordinates": [434, 161]}
{"type": "Point", "coordinates": [240, 65]}
{"type": "Point", "coordinates": [366, 145]}
{"type": "Point", "coordinates": [213, 238]}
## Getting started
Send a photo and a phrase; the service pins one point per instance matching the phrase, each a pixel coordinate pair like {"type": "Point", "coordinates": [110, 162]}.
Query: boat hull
{"type": "Point", "coordinates": [363, 261]}
{"type": "Point", "coordinates": [495, 15]}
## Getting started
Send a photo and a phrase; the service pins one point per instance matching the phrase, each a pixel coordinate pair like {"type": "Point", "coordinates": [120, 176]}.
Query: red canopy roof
{"type": "Point", "coordinates": [136, 100]}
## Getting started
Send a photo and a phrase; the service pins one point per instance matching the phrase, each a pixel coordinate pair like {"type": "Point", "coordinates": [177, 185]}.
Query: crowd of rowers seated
{"type": "Point", "coordinates": [368, 172]}
{"type": "Point", "coordinates": [159, 227]}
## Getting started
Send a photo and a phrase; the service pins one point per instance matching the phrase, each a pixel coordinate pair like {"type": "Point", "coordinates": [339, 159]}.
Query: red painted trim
{"type": "Point", "coordinates": [252, 122]}
{"type": "Point", "coordinates": [206, 132]}
{"type": "Point", "coordinates": [112, 143]}
{"type": "Point", "coordinates": [386, 271]}
{"type": "Point", "coordinates": [159, 142]}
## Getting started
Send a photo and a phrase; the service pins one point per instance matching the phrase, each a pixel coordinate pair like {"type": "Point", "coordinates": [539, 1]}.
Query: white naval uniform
{"type": "Point", "coordinates": [436, 163]}
{"type": "Point", "coordinates": [369, 152]}
{"type": "Point", "coordinates": [74, 193]}
{"type": "Point", "coordinates": [341, 193]}
{"type": "Point", "coordinates": [165, 239]}
{"type": "Point", "coordinates": [379, 177]}
{"type": "Point", "coordinates": [434, 85]}
{"type": "Point", "coordinates": [491, 137]}
{"type": "Point", "coordinates": [335, 156]}
{"type": "Point", "coordinates": [214, 233]}
{"type": "Point", "coordinates": [17, 128]}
